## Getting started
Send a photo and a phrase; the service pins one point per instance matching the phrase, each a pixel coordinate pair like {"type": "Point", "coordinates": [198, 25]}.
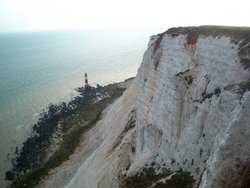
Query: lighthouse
{"type": "Point", "coordinates": [86, 79]}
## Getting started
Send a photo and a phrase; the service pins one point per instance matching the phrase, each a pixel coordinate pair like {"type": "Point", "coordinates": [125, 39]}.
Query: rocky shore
{"type": "Point", "coordinates": [59, 131]}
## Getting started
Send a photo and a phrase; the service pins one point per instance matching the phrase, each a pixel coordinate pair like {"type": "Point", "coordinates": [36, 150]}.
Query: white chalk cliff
{"type": "Point", "coordinates": [187, 110]}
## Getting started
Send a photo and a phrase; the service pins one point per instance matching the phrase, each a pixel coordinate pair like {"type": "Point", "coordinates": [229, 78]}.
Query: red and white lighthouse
{"type": "Point", "coordinates": [86, 79]}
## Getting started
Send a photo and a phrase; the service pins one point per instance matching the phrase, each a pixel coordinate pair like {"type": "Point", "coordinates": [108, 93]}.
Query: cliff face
{"type": "Point", "coordinates": [186, 115]}
{"type": "Point", "coordinates": [193, 103]}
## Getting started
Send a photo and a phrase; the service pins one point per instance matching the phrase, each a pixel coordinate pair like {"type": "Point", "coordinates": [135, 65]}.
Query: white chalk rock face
{"type": "Point", "coordinates": [186, 115]}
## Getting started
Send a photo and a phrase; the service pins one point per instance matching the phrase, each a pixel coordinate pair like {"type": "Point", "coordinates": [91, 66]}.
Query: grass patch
{"type": "Point", "coordinates": [87, 113]}
{"type": "Point", "coordinates": [69, 145]}
{"type": "Point", "coordinates": [148, 177]}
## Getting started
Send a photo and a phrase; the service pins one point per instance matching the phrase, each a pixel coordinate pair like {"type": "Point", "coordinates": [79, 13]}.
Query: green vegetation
{"type": "Point", "coordinates": [179, 180]}
{"type": "Point", "coordinates": [148, 177]}
{"type": "Point", "coordinates": [75, 119]}
{"type": "Point", "coordinates": [69, 145]}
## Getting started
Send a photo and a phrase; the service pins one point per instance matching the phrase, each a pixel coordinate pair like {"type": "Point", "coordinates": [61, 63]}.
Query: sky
{"type": "Point", "coordinates": [18, 15]}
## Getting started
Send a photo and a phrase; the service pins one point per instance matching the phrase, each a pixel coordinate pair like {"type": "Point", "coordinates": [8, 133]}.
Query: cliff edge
{"type": "Point", "coordinates": [184, 121]}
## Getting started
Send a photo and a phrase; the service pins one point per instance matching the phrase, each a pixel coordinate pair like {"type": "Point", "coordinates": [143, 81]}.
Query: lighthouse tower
{"type": "Point", "coordinates": [86, 79]}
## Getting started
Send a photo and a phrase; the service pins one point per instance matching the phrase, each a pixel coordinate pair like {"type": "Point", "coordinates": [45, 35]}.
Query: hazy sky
{"type": "Point", "coordinates": [70, 14]}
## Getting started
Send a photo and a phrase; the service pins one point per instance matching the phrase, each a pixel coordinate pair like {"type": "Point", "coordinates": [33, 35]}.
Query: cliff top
{"type": "Point", "coordinates": [238, 34]}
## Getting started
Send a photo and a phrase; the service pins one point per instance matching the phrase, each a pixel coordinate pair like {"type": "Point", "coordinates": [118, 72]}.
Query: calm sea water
{"type": "Point", "coordinates": [38, 68]}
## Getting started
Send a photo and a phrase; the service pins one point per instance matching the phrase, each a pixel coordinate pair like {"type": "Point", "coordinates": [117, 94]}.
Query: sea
{"type": "Point", "coordinates": [42, 67]}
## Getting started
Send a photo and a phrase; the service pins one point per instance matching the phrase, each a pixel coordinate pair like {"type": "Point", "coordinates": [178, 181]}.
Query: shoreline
{"type": "Point", "coordinates": [69, 167]}
{"type": "Point", "coordinates": [68, 134]}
